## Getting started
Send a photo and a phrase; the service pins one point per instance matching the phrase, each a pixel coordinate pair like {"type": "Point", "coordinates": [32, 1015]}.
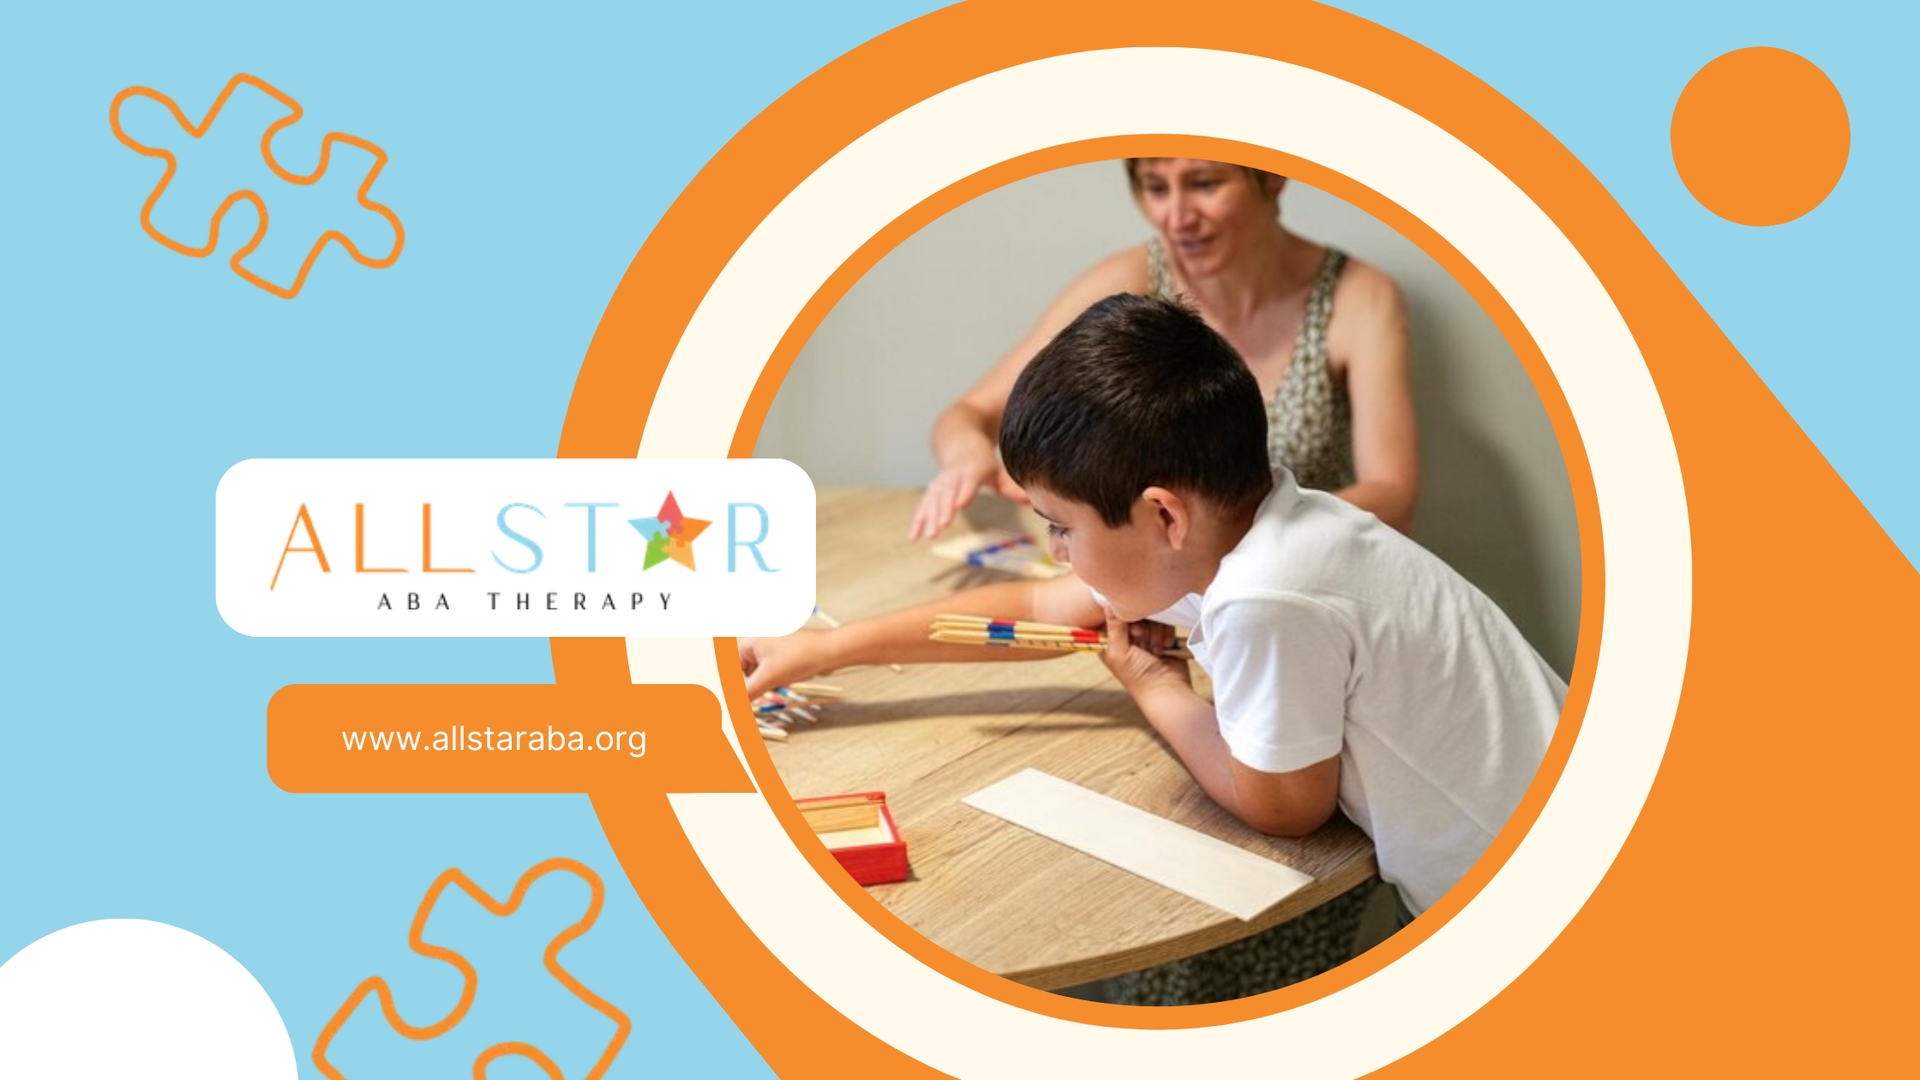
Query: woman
{"type": "Point", "coordinates": [1324, 335]}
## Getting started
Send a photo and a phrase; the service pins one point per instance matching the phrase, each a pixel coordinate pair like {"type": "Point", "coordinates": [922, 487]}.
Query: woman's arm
{"type": "Point", "coordinates": [1369, 341]}
{"type": "Point", "coordinates": [965, 436]}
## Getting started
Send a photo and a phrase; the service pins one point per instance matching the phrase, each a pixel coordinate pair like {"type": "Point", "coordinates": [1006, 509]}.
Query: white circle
{"type": "Point", "coordinates": [128, 997]}
{"type": "Point", "coordinates": [1490, 221]}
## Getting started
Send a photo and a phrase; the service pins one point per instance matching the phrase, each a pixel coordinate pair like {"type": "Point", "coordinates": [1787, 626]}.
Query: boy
{"type": "Point", "coordinates": [1351, 668]}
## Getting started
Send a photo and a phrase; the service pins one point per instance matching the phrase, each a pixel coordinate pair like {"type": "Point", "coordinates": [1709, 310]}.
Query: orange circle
{"type": "Point", "coordinates": [1280, 163]}
{"type": "Point", "coordinates": [1760, 136]}
{"type": "Point", "coordinates": [788, 1021]}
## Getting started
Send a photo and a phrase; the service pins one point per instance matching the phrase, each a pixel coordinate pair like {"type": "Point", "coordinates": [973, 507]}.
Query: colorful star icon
{"type": "Point", "coordinates": [669, 535]}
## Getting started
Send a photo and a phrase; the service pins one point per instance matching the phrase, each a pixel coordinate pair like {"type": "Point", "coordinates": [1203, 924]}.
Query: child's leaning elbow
{"type": "Point", "coordinates": [1287, 824]}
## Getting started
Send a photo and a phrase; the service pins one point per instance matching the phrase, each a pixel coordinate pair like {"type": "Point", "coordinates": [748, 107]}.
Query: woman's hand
{"type": "Point", "coordinates": [967, 432]}
{"type": "Point", "coordinates": [783, 661]}
{"type": "Point", "coordinates": [954, 488]}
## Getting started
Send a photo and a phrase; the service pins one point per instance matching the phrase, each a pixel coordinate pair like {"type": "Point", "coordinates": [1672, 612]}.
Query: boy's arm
{"type": "Point", "coordinates": [901, 636]}
{"type": "Point", "coordinates": [1280, 804]}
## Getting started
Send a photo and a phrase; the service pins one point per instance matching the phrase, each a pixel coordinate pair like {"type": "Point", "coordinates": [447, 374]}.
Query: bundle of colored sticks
{"type": "Point", "coordinates": [779, 709]}
{"type": "Point", "coordinates": [1009, 633]}
{"type": "Point", "coordinates": [1003, 550]}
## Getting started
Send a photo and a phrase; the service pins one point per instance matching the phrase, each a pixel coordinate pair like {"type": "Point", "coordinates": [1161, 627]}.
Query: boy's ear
{"type": "Point", "coordinates": [1172, 515]}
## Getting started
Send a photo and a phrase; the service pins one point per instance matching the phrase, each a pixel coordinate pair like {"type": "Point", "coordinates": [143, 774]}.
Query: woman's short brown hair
{"type": "Point", "coordinates": [1259, 175]}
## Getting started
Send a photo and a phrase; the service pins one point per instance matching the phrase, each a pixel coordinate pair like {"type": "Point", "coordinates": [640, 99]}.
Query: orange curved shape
{"type": "Point", "coordinates": [470, 980]}
{"type": "Point", "coordinates": [516, 1049]}
{"type": "Point", "coordinates": [266, 153]}
{"type": "Point", "coordinates": [1736, 789]}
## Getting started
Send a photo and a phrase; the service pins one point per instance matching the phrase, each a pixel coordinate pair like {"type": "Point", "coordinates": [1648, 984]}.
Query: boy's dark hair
{"type": "Point", "coordinates": [1138, 393]}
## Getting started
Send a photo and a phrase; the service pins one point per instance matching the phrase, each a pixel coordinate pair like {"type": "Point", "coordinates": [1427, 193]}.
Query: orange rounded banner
{"type": "Point", "coordinates": [461, 739]}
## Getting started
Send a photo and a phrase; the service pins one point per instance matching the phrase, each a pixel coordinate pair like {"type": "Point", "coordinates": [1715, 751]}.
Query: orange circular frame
{"type": "Point", "coordinates": [787, 1022]}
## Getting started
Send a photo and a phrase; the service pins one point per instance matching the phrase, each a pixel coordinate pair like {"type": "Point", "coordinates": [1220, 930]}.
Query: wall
{"type": "Point", "coordinates": [928, 319]}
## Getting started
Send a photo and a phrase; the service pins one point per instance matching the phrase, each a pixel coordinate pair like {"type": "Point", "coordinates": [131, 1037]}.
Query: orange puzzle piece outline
{"type": "Point", "coordinates": [471, 980]}
{"type": "Point", "coordinates": [266, 152]}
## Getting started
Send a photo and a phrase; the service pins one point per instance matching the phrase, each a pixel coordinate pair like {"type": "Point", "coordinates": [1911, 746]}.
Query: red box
{"type": "Point", "coordinates": [860, 832]}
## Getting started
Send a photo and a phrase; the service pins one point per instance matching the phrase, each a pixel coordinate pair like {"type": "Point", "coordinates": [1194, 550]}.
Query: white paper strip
{"type": "Point", "coordinates": [1211, 871]}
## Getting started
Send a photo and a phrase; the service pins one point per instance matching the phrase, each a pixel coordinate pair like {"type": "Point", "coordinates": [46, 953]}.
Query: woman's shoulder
{"type": "Point", "coordinates": [1124, 271]}
{"type": "Point", "coordinates": [1369, 315]}
{"type": "Point", "coordinates": [1365, 287]}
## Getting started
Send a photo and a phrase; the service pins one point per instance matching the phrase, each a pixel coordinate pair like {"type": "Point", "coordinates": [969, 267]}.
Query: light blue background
{"type": "Point", "coordinates": [132, 779]}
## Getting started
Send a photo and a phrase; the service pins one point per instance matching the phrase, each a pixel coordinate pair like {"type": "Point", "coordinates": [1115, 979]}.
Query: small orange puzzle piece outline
{"type": "Point", "coordinates": [471, 980]}
{"type": "Point", "coordinates": [266, 153]}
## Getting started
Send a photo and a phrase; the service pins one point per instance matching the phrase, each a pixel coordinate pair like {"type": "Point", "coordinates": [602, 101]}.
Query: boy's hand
{"type": "Point", "coordinates": [783, 661]}
{"type": "Point", "coordinates": [1132, 655]}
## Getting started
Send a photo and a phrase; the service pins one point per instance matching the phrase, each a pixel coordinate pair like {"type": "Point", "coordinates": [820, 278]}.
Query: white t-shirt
{"type": "Point", "coordinates": [1327, 632]}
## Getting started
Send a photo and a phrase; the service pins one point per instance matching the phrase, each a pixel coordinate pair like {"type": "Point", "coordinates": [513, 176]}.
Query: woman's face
{"type": "Point", "coordinates": [1207, 212]}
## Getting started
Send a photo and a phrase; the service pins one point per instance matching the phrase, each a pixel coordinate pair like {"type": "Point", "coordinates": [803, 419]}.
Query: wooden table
{"type": "Point", "coordinates": [994, 894]}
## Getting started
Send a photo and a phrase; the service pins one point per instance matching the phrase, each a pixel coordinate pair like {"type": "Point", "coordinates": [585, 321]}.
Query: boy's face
{"type": "Point", "coordinates": [1132, 566]}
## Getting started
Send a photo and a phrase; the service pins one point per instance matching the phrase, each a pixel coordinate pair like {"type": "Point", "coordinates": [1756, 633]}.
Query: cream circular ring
{"type": "Point", "coordinates": [1583, 337]}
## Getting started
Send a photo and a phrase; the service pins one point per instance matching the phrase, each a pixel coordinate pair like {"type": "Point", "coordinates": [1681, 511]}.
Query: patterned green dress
{"type": "Point", "coordinates": [1310, 431]}
{"type": "Point", "coordinates": [1309, 419]}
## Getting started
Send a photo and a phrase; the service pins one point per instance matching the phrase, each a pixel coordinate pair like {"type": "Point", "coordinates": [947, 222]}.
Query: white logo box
{"type": "Point", "coordinates": [753, 572]}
